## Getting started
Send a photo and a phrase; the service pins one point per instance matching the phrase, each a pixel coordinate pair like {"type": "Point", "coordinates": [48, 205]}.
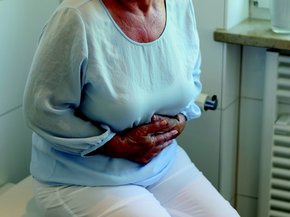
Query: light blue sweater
{"type": "Point", "coordinates": [88, 81]}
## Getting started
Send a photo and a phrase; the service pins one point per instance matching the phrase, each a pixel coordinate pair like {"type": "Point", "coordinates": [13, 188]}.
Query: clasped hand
{"type": "Point", "coordinates": [142, 143]}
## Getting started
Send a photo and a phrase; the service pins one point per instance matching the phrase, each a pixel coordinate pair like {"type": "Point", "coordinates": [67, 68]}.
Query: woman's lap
{"type": "Point", "coordinates": [129, 201]}
{"type": "Point", "coordinates": [183, 192]}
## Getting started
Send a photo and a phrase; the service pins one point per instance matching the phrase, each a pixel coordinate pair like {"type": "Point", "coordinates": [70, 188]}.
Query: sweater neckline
{"type": "Point", "coordinates": [118, 28]}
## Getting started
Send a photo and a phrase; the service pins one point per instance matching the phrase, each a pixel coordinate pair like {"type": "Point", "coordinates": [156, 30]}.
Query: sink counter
{"type": "Point", "coordinates": [253, 32]}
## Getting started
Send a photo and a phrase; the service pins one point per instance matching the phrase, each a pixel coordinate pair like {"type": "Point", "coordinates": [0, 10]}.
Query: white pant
{"type": "Point", "coordinates": [181, 193]}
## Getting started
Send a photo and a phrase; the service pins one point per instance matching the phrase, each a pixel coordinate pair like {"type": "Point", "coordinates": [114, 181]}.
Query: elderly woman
{"type": "Point", "coordinates": [111, 86]}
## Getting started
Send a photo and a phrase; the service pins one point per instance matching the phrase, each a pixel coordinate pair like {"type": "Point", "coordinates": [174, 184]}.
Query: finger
{"type": "Point", "coordinates": [164, 137]}
{"type": "Point", "coordinates": [155, 127]}
{"type": "Point", "coordinates": [151, 154]}
{"type": "Point", "coordinates": [171, 121]}
{"type": "Point", "coordinates": [157, 118]}
{"type": "Point", "coordinates": [159, 148]}
{"type": "Point", "coordinates": [164, 145]}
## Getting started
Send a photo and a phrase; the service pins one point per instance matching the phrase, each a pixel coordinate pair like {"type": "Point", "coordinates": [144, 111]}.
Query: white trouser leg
{"type": "Point", "coordinates": [183, 192]}
{"type": "Point", "coordinates": [187, 193]}
{"type": "Point", "coordinates": [75, 201]}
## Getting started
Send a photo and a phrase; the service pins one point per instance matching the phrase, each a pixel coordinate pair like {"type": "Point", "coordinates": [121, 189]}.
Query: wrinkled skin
{"type": "Point", "coordinates": [144, 142]}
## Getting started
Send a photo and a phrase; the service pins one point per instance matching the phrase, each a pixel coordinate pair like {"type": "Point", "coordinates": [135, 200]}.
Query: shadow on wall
{"type": "Point", "coordinates": [21, 23]}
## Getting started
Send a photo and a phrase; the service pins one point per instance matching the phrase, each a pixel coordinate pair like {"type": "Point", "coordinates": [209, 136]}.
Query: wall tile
{"type": "Point", "coordinates": [201, 140]}
{"type": "Point", "coordinates": [228, 154]}
{"type": "Point", "coordinates": [15, 147]}
{"type": "Point", "coordinates": [236, 12]}
{"type": "Point", "coordinates": [259, 12]}
{"type": "Point", "coordinates": [231, 75]}
{"type": "Point", "coordinates": [249, 147]}
{"type": "Point", "coordinates": [246, 206]}
{"type": "Point", "coordinates": [21, 23]}
{"type": "Point", "coordinates": [253, 70]}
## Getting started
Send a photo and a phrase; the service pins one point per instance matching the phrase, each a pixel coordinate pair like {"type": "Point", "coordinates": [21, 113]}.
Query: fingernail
{"type": "Point", "coordinates": [174, 132]}
{"type": "Point", "coordinates": [163, 122]}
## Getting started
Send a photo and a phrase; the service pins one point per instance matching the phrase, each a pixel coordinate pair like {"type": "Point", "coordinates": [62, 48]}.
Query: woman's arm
{"type": "Point", "coordinates": [54, 86]}
{"type": "Point", "coordinates": [142, 143]}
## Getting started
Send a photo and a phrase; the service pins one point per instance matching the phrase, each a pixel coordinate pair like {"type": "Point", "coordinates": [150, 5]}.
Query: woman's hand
{"type": "Point", "coordinates": [142, 143]}
{"type": "Point", "coordinates": [177, 122]}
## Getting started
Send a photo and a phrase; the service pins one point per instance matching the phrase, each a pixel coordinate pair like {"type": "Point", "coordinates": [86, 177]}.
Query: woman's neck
{"type": "Point", "coordinates": [140, 20]}
{"type": "Point", "coordinates": [137, 7]}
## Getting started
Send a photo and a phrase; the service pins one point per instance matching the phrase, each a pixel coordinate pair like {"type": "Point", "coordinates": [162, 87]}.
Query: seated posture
{"type": "Point", "coordinates": [112, 84]}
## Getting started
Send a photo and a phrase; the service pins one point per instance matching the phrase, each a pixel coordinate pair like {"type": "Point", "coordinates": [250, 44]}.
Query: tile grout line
{"type": "Point", "coordinates": [10, 110]}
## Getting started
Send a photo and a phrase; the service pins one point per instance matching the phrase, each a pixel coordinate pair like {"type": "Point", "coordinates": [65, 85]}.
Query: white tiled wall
{"type": "Point", "coordinates": [201, 140]}
{"type": "Point", "coordinates": [249, 152]}
{"type": "Point", "coordinates": [253, 69]}
{"type": "Point", "coordinates": [252, 88]}
{"type": "Point", "coordinates": [258, 12]}
{"type": "Point", "coordinates": [236, 11]}
{"type": "Point", "coordinates": [14, 147]}
{"type": "Point", "coordinates": [228, 158]}
{"type": "Point", "coordinates": [230, 87]}
{"type": "Point", "coordinates": [21, 23]}
{"type": "Point", "coordinates": [231, 75]}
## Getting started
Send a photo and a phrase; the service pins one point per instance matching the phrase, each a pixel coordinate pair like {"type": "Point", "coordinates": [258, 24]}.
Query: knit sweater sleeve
{"type": "Point", "coordinates": [192, 110]}
{"type": "Point", "coordinates": [53, 89]}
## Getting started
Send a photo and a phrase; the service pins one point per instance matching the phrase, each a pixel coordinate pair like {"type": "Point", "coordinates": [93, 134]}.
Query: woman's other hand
{"type": "Point", "coordinates": [142, 143]}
